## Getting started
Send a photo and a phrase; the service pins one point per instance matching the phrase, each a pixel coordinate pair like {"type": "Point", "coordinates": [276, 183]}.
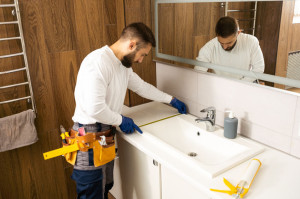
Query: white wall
{"type": "Point", "coordinates": [268, 115]}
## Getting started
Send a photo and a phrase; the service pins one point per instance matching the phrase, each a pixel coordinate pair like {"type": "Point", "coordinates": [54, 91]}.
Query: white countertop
{"type": "Point", "coordinates": [278, 177]}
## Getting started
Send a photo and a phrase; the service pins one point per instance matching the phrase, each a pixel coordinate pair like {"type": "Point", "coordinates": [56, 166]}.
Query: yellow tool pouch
{"type": "Point", "coordinates": [71, 157]}
{"type": "Point", "coordinates": [103, 154]}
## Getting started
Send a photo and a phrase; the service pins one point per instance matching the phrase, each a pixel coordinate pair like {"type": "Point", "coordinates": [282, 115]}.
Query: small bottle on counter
{"type": "Point", "coordinates": [230, 126]}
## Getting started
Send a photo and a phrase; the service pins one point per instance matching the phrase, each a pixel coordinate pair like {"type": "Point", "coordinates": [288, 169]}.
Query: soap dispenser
{"type": "Point", "coordinates": [230, 126]}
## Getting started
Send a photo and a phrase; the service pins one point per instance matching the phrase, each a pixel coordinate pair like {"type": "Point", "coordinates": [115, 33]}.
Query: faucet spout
{"type": "Point", "coordinates": [210, 119]}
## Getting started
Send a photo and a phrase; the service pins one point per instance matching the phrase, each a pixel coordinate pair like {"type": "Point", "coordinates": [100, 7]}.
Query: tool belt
{"type": "Point", "coordinates": [102, 153]}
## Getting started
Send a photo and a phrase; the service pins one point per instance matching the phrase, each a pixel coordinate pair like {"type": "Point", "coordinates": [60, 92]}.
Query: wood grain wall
{"type": "Point", "coordinates": [288, 39]}
{"type": "Point", "coordinates": [184, 28]}
{"type": "Point", "coordinates": [58, 35]}
{"type": "Point", "coordinates": [267, 32]}
{"type": "Point", "coordinates": [141, 11]}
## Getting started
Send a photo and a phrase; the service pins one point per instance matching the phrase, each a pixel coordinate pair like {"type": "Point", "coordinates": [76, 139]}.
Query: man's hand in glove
{"type": "Point", "coordinates": [128, 126]}
{"type": "Point", "coordinates": [179, 105]}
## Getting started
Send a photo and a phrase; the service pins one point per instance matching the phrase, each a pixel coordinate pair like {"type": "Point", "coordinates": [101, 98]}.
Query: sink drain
{"type": "Point", "coordinates": [192, 154]}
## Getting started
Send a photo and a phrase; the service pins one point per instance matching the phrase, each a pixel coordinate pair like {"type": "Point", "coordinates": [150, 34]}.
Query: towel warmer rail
{"type": "Point", "coordinates": [16, 12]}
{"type": "Point", "coordinates": [253, 10]}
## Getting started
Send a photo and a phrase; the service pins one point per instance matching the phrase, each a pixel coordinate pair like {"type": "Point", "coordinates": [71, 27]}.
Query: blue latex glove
{"type": "Point", "coordinates": [179, 105]}
{"type": "Point", "coordinates": [128, 126]}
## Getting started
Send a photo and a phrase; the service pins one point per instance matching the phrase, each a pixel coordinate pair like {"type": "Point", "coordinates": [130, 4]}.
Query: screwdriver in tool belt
{"type": "Point", "coordinates": [63, 134]}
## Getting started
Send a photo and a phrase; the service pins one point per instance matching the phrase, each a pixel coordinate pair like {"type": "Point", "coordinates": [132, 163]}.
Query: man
{"type": "Point", "coordinates": [102, 80]}
{"type": "Point", "coordinates": [231, 48]}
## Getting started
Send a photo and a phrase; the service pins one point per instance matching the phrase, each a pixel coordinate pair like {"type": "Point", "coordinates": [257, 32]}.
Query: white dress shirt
{"type": "Point", "coordinates": [246, 55]}
{"type": "Point", "coordinates": [101, 87]}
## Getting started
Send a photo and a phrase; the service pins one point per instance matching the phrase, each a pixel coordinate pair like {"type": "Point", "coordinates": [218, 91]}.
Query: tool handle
{"type": "Point", "coordinates": [62, 135]}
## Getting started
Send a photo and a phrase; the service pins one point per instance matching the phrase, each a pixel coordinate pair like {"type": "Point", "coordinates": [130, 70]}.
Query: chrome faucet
{"type": "Point", "coordinates": [210, 118]}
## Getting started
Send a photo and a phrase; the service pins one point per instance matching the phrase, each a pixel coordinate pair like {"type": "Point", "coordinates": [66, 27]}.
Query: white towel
{"type": "Point", "coordinates": [17, 130]}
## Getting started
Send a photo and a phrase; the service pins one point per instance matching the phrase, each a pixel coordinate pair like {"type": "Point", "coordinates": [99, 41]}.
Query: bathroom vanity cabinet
{"type": "Point", "coordinates": [150, 168]}
{"type": "Point", "coordinates": [138, 175]}
{"type": "Point", "coordinates": [175, 186]}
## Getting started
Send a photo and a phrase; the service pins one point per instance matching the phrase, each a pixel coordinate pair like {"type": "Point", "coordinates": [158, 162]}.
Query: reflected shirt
{"type": "Point", "coordinates": [246, 55]}
{"type": "Point", "coordinates": [101, 87]}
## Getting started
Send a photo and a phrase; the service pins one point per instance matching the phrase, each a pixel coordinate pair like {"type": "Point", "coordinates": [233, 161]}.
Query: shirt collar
{"type": "Point", "coordinates": [112, 55]}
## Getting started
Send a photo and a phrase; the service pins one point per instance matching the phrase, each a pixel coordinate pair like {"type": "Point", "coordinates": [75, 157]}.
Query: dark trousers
{"type": "Point", "coordinates": [89, 184]}
{"type": "Point", "coordinates": [92, 182]}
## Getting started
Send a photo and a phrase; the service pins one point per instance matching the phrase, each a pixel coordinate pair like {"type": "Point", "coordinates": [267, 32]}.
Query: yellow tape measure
{"type": "Point", "coordinates": [160, 119]}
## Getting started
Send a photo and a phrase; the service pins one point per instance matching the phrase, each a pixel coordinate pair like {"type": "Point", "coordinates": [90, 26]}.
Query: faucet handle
{"type": "Point", "coordinates": [209, 109]}
{"type": "Point", "coordinates": [211, 112]}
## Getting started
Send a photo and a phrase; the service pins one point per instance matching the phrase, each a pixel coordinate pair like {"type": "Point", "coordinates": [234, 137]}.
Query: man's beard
{"type": "Point", "coordinates": [230, 48]}
{"type": "Point", "coordinates": [127, 60]}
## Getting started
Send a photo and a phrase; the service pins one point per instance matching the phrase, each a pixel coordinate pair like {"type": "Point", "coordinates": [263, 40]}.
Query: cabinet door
{"type": "Point", "coordinates": [175, 187]}
{"type": "Point", "coordinates": [135, 175]}
{"type": "Point", "coordinates": [116, 191]}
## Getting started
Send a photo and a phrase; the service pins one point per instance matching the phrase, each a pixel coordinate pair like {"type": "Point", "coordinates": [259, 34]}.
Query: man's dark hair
{"type": "Point", "coordinates": [226, 26]}
{"type": "Point", "coordinates": [141, 32]}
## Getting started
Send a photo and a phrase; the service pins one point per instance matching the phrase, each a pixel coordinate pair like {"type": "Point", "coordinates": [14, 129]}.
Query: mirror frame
{"type": "Point", "coordinates": [260, 76]}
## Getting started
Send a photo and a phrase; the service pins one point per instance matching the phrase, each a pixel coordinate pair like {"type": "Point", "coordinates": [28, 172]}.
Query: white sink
{"type": "Point", "coordinates": [208, 152]}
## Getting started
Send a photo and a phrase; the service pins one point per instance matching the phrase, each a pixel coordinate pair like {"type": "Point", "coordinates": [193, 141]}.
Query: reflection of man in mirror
{"type": "Point", "coordinates": [232, 48]}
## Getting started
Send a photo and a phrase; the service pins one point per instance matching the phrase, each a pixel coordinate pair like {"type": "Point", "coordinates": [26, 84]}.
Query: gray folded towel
{"type": "Point", "coordinates": [17, 130]}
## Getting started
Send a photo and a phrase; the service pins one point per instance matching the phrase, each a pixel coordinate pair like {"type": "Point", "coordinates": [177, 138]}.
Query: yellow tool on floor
{"type": "Point", "coordinates": [244, 185]}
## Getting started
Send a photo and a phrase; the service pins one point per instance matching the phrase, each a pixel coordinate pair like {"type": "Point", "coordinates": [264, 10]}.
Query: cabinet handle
{"type": "Point", "coordinates": [155, 163]}
{"type": "Point", "coordinates": [117, 154]}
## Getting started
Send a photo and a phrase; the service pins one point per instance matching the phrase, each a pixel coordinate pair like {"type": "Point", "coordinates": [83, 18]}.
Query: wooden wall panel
{"type": "Point", "coordinates": [141, 11]}
{"type": "Point", "coordinates": [63, 66]}
{"type": "Point", "coordinates": [58, 19]}
{"type": "Point", "coordinates": [184, 28]}
{"type": "Point", "coordinates": [110, 32]}
{"type": "Point", "coordinates": [166, 28]}
{"type": "Point", "coordinates": [183, 20]}
{"type": "Point", "coordinates": [267, 32]}
{"type": "Point", "coordinates": [58, 35]}
{"type": "Point", "coordinates": [284, 40]}
{"type": "Point", "coordinates": [295, 41]}
{"type": "Point", "coordinates": [89, 26]}
{"type": "Point", "coordinates": [206, 16]}
{"type": "Point", "coordinates": [288, 39]}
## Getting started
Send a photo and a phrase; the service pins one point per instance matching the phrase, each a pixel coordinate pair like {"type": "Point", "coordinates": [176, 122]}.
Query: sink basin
{"type": "Point", "coordinates": [208, 152]}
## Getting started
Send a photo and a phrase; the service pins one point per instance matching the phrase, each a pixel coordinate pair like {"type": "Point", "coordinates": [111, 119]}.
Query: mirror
{"type": "Point", "coordinates": [182, 28]}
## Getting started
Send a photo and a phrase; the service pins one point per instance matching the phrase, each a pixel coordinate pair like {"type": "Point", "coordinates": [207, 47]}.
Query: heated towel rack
{"type": "Point", "coordinates": [16, 12]}
{"type": "Point", "coordinates": [253, 19]}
